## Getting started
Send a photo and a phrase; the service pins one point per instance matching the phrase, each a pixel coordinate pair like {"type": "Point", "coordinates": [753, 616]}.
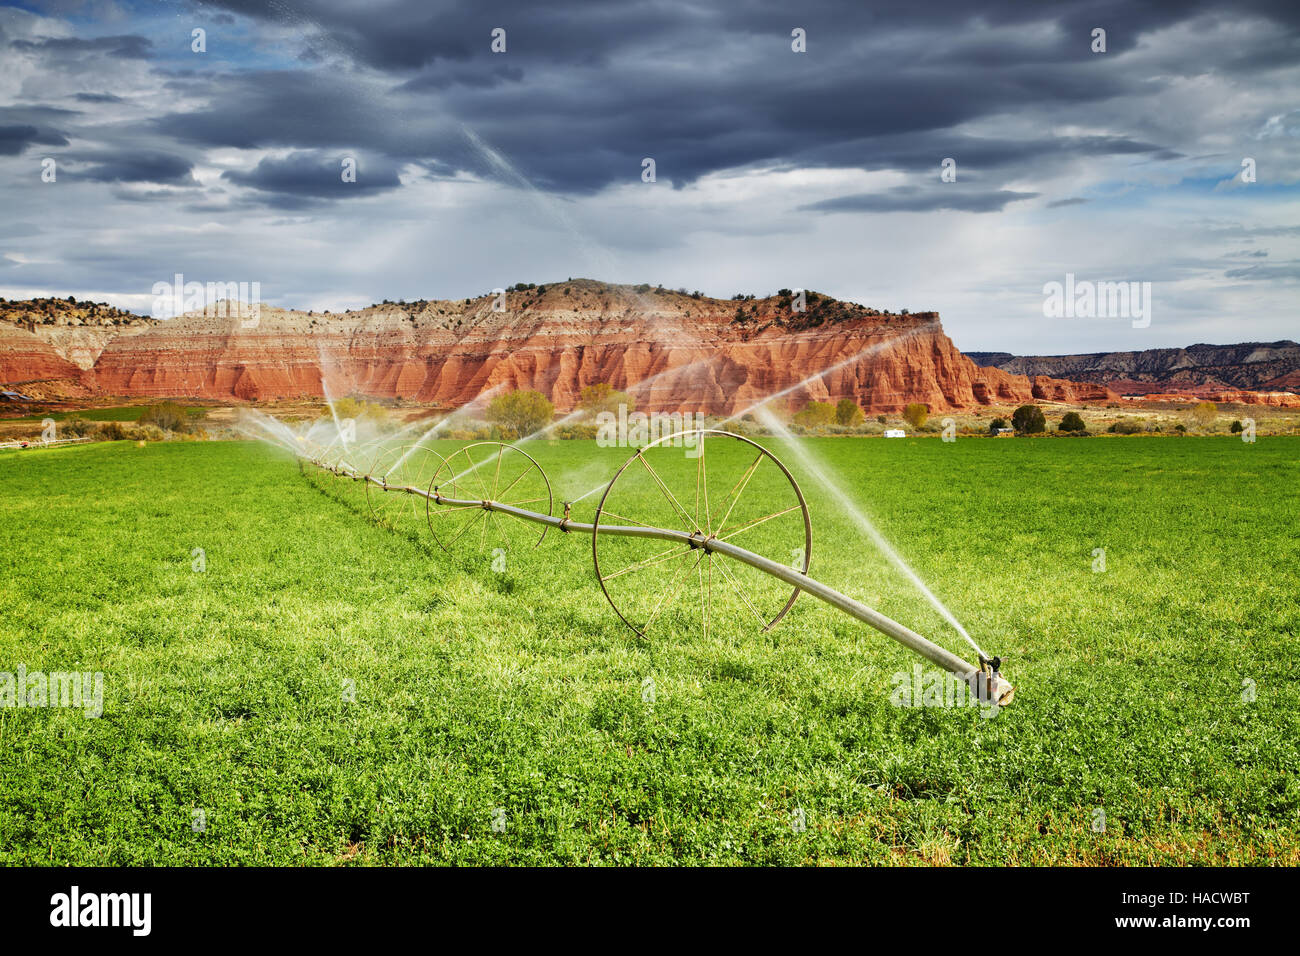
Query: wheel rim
{"type": "Point", "coordinates": [754, 502]}
{"type": "Point", "coordinates": [487, 471]}
{"type": "Point", "coordinates": [409, 465]}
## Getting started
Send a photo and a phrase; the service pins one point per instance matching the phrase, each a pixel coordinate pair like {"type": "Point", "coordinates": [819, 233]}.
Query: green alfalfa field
{"type": "Point", "coordinates": [328, 691]}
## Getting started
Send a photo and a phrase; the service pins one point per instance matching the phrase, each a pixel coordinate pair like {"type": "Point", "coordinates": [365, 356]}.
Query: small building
{"type": "Point", "coordinates": [1006, 433]}
{"type": "Point", "coordinates": [895, 433]}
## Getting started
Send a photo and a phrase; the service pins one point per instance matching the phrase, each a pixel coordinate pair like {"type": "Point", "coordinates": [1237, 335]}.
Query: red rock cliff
{"type": "Point", "coordinates": [674, 352]}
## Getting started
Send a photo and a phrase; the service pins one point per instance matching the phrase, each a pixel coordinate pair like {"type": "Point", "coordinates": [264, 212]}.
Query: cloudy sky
{"type": "Point", "coordinates": [817, 169]}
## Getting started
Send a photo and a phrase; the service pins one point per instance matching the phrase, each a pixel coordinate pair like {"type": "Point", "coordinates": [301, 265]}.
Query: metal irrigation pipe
{"type": "Point", "coordinates": [992, 686]}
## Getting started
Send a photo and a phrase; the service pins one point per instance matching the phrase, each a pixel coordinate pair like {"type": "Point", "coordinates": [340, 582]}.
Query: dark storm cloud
{"type": "Point", "coordinates": [138, 167]}
{"type": "Point", "coordinates": [98, 98]}
{"type": "Point", "coordinates": [587, 90]}
{"type": "Point", "coordinates": [443, 78]}
{"type": "Point", "coordinates": [915, 199]}
{"type": "Point", "coordinates": [698, 89]}
{"type": "Point", "coordinates": [300, 177]}
{"type": "Point", "coordinates": [126, 47]}
{"type": "Point", "coordinates": [15, 139]}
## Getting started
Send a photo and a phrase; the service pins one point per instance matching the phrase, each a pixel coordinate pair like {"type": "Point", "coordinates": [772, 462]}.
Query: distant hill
{"type": "Point", "coordinates": [1260, 366]}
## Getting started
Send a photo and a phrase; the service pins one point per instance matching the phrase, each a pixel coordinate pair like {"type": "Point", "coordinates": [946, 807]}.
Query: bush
{"type": "Point", "coordinates": [1205, 413]}
{"type": "Point", "coordinates": [815, 414]}
{"type": "Point", "coordinates": [113, 431]}
{"type": "Point", "coordinates": [357, 409]}
{"type": "Point", "coordinates": [578, 431]}
{"type": "Point", "coordinates": [997, 424]}
{"type": "Point", "coordinates": [602, 397]}
{"type": "Point", "coordinates": [146, 433]}
{"type": "Point", "coordinates": [1127, 426]}
{"type": "Point", "coordinates": [470, 434]}
{"type": "Point", "coordinates": [1073, 422]}
{"type": "Point", "coordinates": [168, 417]}
{"type": "Point", "coordinates": [1029, 420]}
{"type": "Point", "coordinates": [848, 412]}
{"type": "Point", "coordinates": [915, 414]}
{"type": "Point", "coordinates": [520, 413]}
{"type": "Point", "coordinates": [76, 428]}
{"type": "Point", "coordinates": [1236, 428]}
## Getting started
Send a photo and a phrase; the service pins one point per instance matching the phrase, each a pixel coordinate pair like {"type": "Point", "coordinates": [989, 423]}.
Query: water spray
{"type": "Point", "coordinates": [493, 487]}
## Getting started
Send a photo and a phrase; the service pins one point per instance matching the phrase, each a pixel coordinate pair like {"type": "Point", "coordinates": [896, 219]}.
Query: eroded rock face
{"type": "Point", "coordinates": [1226, 397]}
{"type": "Point", "coordinates": [26, 358]}
{"type": "Point", "coordinates": [672, 351]}
{"type": "Point", "coordinates": [1074, 393]}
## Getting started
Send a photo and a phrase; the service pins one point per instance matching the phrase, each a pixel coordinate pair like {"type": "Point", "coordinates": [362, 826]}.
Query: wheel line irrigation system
{"type": "Point", "coordinates": [985, 680]}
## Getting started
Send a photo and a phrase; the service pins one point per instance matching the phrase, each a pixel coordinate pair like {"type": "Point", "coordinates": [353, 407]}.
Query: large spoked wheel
{"type": "Point", "coordinates": [397, 468]}
{"type": "Point", "coordinates": [487, 471]}
{"type": "Point", "coordinates": [712, 485]}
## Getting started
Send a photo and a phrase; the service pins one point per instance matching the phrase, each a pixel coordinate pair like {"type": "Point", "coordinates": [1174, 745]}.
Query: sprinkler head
{"type": "Point", "coordinates": [992, 685]}
{"type": "Point", "coordinates": [999, 689]}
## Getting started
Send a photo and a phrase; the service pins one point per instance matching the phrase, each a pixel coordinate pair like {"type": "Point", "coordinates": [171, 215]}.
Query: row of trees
{"type": "Point", "coordinates": [845, 412]}
{"type": "Point", "coordinates": [849, 413]}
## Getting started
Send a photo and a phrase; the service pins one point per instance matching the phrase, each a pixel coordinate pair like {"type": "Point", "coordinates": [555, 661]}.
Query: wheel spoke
{"type": "Point", "coordinates": [722, 566]}
{"type": "Point", "coordinates": [468, 524]}
{"type": "Point", "coordinates": [706, 591]}
{"type": "Point", "coordinates": [445, 511]}
{"type": "Point", "coordinates": [606, 511]}
{"type": "Point", "coordinates": [652, 560]}
{"type": "Point", "coordinates": [759, 521]}
{"type": "Point", "coordinates": [691, 525]}
{"type": "Point", "coordinates": [739, 489]}
{"type": "Point", "coordinates": [680, 580]}
{"type": "Point", "coordinates": [708, 522]}
{"type": "Point", "coordinates": [523, 474]}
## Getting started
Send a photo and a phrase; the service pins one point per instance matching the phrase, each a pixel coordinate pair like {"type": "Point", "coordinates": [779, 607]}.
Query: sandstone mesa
{"type": "Point", "coordinates": [707, 355]}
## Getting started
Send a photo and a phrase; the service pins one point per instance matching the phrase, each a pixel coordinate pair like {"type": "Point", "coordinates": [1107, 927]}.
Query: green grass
{"type": "Point", "coordinates": [476, 690]}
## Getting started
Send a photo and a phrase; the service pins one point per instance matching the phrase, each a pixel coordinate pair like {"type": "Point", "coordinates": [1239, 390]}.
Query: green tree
{"type": "Point", "coordinates": [1029, 420]}
{"type": "Point", "coordinates": [520, 413]}
{"type": "Point", "coordinates": [915, 414]}
{"type": "Point", "coordinates": [358, 408]}
{"type": "Point", "coordinates": [849, 412]}
{"type": "Point", "coordinates": [1073, 422]}
{"type": "Point", "coordinates": [603, 397]}
{"type": "Point", "coordinates": [168, 416]}
{"type": "Point", "coordinates": [815, 414]}
{"type": "Point", "coordinates": [996, 424]}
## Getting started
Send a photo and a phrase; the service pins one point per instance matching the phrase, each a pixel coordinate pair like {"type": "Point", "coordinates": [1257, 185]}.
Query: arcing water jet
{"type": "Point", "coordinates": [695, 542]}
